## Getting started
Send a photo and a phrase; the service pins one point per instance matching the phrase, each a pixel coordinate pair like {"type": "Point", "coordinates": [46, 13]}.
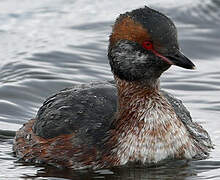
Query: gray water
{"type": "Point", "coordinates": [47, 45]}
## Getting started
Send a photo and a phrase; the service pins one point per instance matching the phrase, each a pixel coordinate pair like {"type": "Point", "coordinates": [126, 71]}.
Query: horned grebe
{"type": "Point", "coordinates": [100, 125]}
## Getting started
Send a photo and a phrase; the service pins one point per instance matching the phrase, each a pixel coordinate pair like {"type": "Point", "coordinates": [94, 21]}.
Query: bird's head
{"type": "Point", "coordinates": [143, 44]}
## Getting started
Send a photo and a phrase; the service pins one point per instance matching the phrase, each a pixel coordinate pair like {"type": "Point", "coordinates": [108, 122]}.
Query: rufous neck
{"type": "Point", "coordinates": [129, 92]}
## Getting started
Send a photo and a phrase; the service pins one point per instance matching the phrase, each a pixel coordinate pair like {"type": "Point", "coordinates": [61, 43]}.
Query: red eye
{"type": "Point", "coordinates": [147, 45]}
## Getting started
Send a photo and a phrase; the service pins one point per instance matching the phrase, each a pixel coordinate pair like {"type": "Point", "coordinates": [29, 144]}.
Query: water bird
{"type": "Point", "coordinates": [105, 124]}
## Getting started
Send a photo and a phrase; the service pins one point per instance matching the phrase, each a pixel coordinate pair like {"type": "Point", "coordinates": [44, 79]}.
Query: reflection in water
{"type": "Point", "coordinates": [171, 170]}
{"type": "Point", "coordinates": [48, 46]}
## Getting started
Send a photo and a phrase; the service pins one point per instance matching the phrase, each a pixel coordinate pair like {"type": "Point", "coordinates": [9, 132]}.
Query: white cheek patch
{"type": "Point", "coordinates": [127, 53]}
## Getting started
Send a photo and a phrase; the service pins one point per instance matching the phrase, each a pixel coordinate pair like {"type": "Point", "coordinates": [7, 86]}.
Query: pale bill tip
{"type": "Point", "coordinates": [194, 67]}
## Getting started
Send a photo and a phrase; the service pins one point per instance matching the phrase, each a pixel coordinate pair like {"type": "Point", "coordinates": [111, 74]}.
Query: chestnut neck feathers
{"type": "Point", "coordinates": [146, 127]}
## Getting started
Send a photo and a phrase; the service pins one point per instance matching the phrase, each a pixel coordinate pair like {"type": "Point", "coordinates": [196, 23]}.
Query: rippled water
{"type": "Point", "coordinates": [47, 45]}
